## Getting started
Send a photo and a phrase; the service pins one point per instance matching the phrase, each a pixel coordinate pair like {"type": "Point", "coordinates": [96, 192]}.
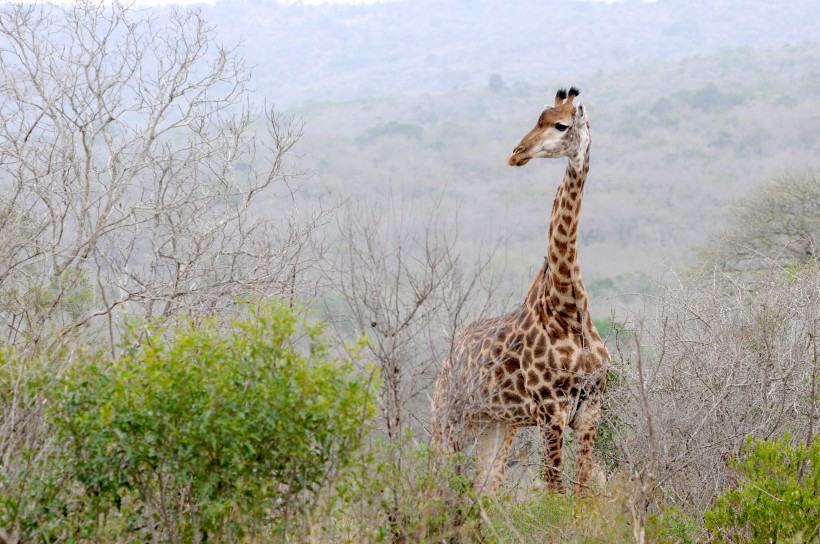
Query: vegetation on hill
{"type": "Point", "coordinates": [672, 145]}
{"type": "Point", "coordinates": [302, 52]}
{"type": "Point", "coordinates": [779, 222]}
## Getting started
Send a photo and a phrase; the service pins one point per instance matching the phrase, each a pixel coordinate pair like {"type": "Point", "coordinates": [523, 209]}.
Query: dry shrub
{"type": "Point", "coordinates": [717, 358]}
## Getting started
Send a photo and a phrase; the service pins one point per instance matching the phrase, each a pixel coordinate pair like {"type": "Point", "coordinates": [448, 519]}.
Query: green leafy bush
{"type": "Point", "coordinates": [778, 497]}
{"type": "Point", "coordinates": [405, 492]}
{"type": "Point", "coordinates": [202, 432]}
{"type": "Point", "coordinates": [24, 435]}
{"type": "Point", "coordinates": [621, 512]}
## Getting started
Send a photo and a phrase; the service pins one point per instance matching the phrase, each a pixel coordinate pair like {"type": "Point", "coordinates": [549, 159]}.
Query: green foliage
{"type": "Point", "coordinates": [674, 525]}
{"type": "Point", "coordinates": [24, 437]}
{"type": "Point", "coordinates": [709, 99]}
{"type": "Point", "coordinates": [665, 112]}
{"type": "Point", "coordinates": [496, 83]}
{"type": "Point", "coordinates": [639, 218]}
{"type": "Point", "coordinates": [40, 311]}
{"type": "Point", "coordinates": [603, 326]}
{"type": "Point", "coordinates": [614, 423]}
{"type": "Point", "coordinates": [201, 431]}
{"type": "Point", "coordinates": [778, 496]}
{"type": "Point", "coordinates": [437, 504]}
{"type": "Point", "coordinates": [610, 516]}
{"type": "Point", "coordinates": [618, 410]}
{"type": "Point", "coordinates": [374, 134]}
{"type": "Point", "coordinates": [529, 520]}
{"type": "Point", "coordinates": [777, 224]}
{"type": "Point", "coordinates": [405, 492]}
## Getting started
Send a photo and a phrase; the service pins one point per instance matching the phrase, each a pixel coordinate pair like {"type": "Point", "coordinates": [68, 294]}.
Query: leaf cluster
{"type": "Point", "coordinates": [402, 491]}
{"type": "Point", "coordinates": [201, 431]}
{"type": "Point", "coordinates": [778, 496]}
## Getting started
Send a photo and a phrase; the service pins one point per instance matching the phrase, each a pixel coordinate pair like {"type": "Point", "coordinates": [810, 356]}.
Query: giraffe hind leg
{"type": "Point", "coordinates": [494, 440]}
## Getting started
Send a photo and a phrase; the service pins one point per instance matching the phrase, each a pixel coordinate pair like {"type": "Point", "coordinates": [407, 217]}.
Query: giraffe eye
{"type": "Point", "coordinates": [561, 127]}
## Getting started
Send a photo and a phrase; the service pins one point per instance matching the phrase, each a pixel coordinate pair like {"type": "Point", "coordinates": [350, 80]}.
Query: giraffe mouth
{"type": "Point", "coordinates": [518, 160]}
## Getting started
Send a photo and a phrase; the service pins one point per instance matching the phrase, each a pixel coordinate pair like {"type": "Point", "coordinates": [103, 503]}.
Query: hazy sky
{"type": "Point", "coordinates": [188, 2]}
{"type": "Point", "coordinates": [309, 2]}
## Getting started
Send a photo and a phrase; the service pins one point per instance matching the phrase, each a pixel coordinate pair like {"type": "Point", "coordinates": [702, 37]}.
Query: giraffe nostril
{"type": "Point", "coordinates": [518, 149]}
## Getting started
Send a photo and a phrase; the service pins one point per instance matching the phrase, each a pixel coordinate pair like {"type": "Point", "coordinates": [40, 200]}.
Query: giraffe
{"type": "Point", "coordinates": [543, 364]}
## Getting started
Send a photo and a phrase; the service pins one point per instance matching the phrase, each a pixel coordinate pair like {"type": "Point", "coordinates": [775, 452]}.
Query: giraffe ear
{"type": "Point", "coordinates": [581, 113]}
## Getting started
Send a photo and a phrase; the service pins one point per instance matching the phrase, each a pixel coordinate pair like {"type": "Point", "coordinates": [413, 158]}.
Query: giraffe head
{"type": "Point", "coordinates": [558, 132]}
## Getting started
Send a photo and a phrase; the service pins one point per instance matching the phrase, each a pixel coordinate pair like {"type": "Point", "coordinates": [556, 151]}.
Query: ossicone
{"type": "Point", "coordinates": [562, 95]}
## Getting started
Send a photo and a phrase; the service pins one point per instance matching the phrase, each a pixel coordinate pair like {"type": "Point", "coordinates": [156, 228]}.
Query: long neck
{"type": "Point", "coordinates": [567, 295]}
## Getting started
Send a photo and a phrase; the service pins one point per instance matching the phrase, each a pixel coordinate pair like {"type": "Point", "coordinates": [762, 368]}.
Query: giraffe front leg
{"type": "Point", "coordinates": [552, 435]}
{"type": "Point", "coordinates": [585, 428]}
{"type": "Point", "coordinates": [553, 462]}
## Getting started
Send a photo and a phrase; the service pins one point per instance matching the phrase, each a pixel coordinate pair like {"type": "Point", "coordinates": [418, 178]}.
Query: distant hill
{"type": "Point", "coordinates": [693, 103]}
{"type": "Point", "coordinates": [343, 52]}
{"type": "Point", "coordinates": [673, 143]}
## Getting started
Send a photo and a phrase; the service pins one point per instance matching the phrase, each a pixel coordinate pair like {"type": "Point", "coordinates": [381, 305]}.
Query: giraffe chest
{"type": "Point", "coordinates": [529, 373]}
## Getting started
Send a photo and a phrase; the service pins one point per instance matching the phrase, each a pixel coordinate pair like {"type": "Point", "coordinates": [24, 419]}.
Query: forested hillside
{"type": "Point", "coordinates": [341, 52]}
{"type": "Point", "coordinates": [673, 144]}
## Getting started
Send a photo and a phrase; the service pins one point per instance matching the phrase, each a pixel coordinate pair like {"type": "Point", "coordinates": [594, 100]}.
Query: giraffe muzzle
{"type": "Point", "coordinates": [516, 159]}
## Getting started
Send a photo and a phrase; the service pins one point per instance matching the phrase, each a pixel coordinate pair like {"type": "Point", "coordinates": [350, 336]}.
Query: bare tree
{"type": "Point", "coordinates": [130, 160]}
{"type": "Point", "coordinates": [716, 359]}
{"type": "Point", "coordinates": [400, 283]}
{"type": "Point", "coordinates": [403, 286]}
{"type": "Point", "coordinates": [777, 223]}
{"type": "Point", "coordinates": [132, 168]}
